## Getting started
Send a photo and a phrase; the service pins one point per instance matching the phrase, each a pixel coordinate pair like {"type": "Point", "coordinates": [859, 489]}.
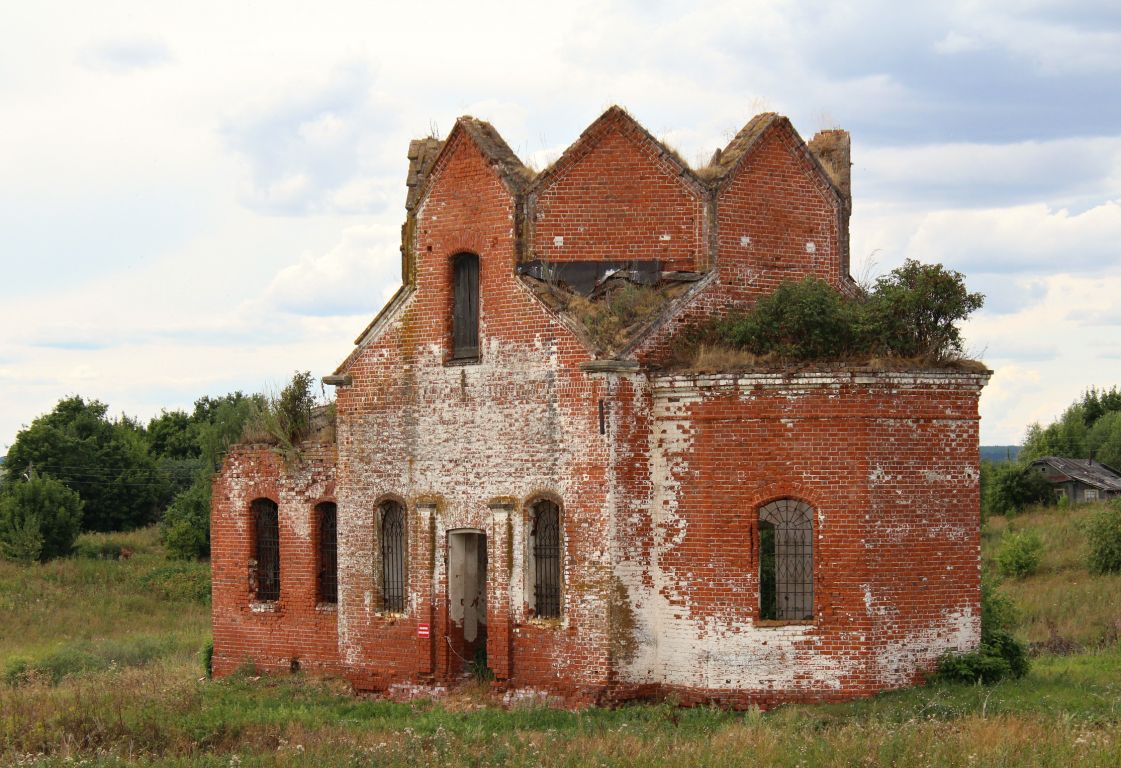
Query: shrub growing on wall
{"type": "Point", "coordinates": [39, 519]}
{"type": "Point", "coordinates": [802, 321]}
{"type": "Point", "coordinates": [912, 312]}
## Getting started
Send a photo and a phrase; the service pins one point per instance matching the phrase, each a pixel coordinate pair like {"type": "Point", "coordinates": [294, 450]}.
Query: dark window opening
{"type": "Point", "coordinates": [266, 534]}
{"type": "Point", "coordinates": [546, 539]}
{"type": "Point", "coordinates": [328, 581]}
{"type": "Point", "coordinates": [392, 557]}
{"type": "Point", "coordinates": [465, 308]}
{"type": "Point", "coordinates": [786, 560]}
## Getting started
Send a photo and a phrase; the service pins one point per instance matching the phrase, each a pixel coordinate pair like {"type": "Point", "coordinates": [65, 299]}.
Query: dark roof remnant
{"type": "Point", "coordinates": [608, 304]}
{"type": "Point", "coordinates": [1088, 471]}
{"type": "Point", "coordinates": [584, 277]}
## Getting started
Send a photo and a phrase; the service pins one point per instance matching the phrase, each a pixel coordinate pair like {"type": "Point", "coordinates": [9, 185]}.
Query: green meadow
{"type": "Point", "coordinates": [101, 665]}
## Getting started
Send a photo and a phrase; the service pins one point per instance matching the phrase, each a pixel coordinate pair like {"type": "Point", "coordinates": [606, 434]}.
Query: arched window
{"type": "Point", "coordinates": [545, 558]}
{"type": "Point", "coordinates": [465, 308]}
{"type": "Point", "coordinates": [786, 590]}
{"type": "Point", "coordinates": [327, 582]}
{"type": "Point", "coordinates": [392, 533]}
{"type": "Point", "coordinates": [266, 549]}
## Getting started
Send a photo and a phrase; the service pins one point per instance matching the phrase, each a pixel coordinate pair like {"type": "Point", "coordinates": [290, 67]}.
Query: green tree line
{"type": "Point", "coordinates": [77, 469]}
{"type": "Point", "coordinates": [1090, 427]}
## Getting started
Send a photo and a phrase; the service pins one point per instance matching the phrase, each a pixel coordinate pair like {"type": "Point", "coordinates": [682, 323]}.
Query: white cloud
{"type": "Point", "coordinates": [305, 150]}
{"type": "Point", "coordinates": [125, 56]}
{"type": "Point", "coordinates": [967, 174]}
{"type": "Point", "coordinates": [1045, 355]}
{"type": "Point", "coordinates": [353, 277]}
{"type": "Point", "coordinates": [207, 201]}
{"type": "Point", "coordinates": [1027, 238]}
{"type": "Point", "coordinates": [955, 42]}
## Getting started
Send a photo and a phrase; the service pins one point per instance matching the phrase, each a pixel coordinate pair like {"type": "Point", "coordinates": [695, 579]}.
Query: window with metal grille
{"type": "Point", "coordinates": [328, 577]}
{"type": "Point", "coordinates": [545, 539]}
{"type": "Point", "coordinates": [392, 530]}
{"type": "Point", "coordinates": [465, 308]}
{"type": "Point", "coordinates": [786, 560]}
{"type": "Point", "coordinates": [266, 546]}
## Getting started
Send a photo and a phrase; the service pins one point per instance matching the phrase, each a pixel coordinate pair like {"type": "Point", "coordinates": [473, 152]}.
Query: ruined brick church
{"type": "Point", "coordinates": [527, 481]}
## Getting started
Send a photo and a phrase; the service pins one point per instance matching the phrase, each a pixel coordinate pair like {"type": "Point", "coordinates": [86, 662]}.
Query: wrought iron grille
{"type": "Point", "coordinates": [546, 559]}
{"type": "Point", "coordinates": [392, 557]}
{"type": "Point", "coordinates": [786, 560]}
{"type": "Point", "coordinates": [266, 532]}
{"type": "Point", "coordinates": [328, 553]}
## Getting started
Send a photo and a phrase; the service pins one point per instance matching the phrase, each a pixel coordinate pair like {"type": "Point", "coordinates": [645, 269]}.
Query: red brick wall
{"type": "Point", "coordinates": [616, 196]}
{"type": "Point", "coordinates": [777, 219]}
{"type": "Point", "coordinates": [453, 441]}
{"type": "Point", "coordinates": [890, 464]}
{"type": "Point", "coordinates": [660, 585]}
{"type": "Point", "coordinates": [270, 635]}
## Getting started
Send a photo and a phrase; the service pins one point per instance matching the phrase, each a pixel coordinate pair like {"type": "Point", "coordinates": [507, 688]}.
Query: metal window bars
{"type": "Point", "coordinates": [546, 559]}
{"type": "Point", "coordinates": [392, 557]}
{"type": "Point", "coordinates": [786, 560]}
{"type": "Point", "coordinates": [266, 533]}
{"type": "Point", "coordinates": [328, 576]}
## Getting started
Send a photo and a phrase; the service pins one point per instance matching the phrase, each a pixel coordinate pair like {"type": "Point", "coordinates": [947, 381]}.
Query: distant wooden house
{"type": "Point", "coordinates": [1079, 480]}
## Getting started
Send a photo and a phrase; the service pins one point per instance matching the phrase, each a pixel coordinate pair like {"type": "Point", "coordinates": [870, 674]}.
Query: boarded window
{"type": "Point", "coordinates": [465, 307]}
{"type": "Point", "coordinates": [328, 576]}
{"type": "Point", "coordinates": [786, 560]}
{"type": "Point", "coordinates": [392, 530]}
{"type": "Point", "coordinates": [266, 546]}
{"type": "Point", "coordinates": [545, 539]}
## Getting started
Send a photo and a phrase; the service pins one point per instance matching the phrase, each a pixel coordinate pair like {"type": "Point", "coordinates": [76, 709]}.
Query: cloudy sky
{"type": "Point", "coordinates": [201, 197]}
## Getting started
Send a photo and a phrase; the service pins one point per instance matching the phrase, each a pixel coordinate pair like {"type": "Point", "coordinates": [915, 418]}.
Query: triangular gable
{"type": "Point", "coordinates": [426, 157]}
{"type": "Point", "coordinates": [727, 161]}
{"type": "Point", "coordinates": [508, 167]}
{"type": "Point", "coordinates": [615, 119]}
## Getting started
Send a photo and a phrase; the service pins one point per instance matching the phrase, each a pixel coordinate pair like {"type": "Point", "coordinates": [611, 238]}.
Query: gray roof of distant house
{"type": "Point", "coordinates": [1093, 473]}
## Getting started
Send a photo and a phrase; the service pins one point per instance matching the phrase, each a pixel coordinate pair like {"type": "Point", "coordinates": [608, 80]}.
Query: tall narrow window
{"type": "Point", "coordinates": [266, 546]}
{"type": "Point", "coordinates": [786, 560]}
{"type": "Point", "coordinates": [328, 576]}
{"type": "Point", "coordinates": [465, 309]}
{"type": "Point", "coordinates": [392, 530]}
{"type": "Point", "coordinates": [545, 539]}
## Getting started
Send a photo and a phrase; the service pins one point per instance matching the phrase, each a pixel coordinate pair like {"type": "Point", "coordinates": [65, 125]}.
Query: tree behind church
{"type": "Point", "coordinates": [105, 461]}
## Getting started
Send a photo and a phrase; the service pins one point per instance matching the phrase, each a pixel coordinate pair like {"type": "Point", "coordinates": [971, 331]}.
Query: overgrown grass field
{"type": "Point", "coordinates": [101, 666]}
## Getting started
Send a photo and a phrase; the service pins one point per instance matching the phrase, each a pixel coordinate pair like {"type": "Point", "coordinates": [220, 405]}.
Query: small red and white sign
{"type": "Point", "coordinates": [422, 630]}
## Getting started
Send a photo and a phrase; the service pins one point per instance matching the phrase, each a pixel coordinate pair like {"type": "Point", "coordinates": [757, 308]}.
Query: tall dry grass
{"type": "Point", "coordinates": [1062, 606]}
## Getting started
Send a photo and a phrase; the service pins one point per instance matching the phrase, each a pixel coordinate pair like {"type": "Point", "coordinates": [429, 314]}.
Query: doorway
{"type": "Point", "coordinates": [467, 601]}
